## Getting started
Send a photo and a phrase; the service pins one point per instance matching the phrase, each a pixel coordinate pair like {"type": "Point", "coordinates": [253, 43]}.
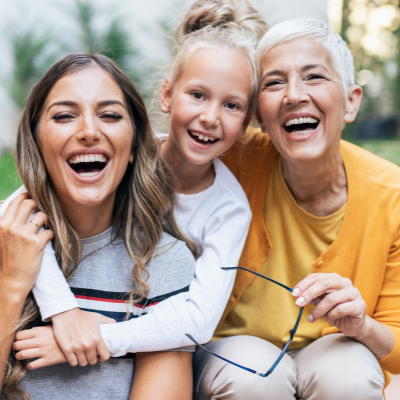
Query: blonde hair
{"type": "Point", "coordinates": [218, 24]}
{"type": "Point", "coordinates": [144, 203]}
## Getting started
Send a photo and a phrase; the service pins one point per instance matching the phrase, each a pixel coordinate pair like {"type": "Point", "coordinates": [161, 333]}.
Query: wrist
{"type": "Point", "coordinates": [365, 332]}
{"type": "Point", "coordinates": [12, 294]}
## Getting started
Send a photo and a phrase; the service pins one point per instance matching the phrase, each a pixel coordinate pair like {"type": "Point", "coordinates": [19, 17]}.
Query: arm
{"type": "Point", "coordinates": [19, 242]}
{"type": "Point", "coordinates": [198, 311]}
{"type": "Point", "coordinates": [77, 332]}
{"type": "Point", "coordinates": [163, 376]}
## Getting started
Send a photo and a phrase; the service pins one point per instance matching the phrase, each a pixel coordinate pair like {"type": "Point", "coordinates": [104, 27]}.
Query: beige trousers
{"type": "Point", "coordinates": [333, 367]}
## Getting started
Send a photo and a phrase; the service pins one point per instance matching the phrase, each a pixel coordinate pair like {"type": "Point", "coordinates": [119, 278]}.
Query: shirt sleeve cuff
{"type": "Point", "coordinates": [57, 307]}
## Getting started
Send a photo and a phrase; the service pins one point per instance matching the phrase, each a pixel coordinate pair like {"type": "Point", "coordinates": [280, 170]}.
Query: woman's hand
{"type": "Point", "coordinates": [21, 247]}
{"type": "Point", "coordinates": [335, 299]}
{"type": "Point", "coordinates": [38, 343]}
{"type": "Point", "coordinates": [78, 334]}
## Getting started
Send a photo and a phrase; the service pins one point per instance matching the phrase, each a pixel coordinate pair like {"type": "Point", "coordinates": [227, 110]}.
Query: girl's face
{"type": "Point", "coordinates": [209, 104]}
{"type": "Point", "coordinates": [85, 136]}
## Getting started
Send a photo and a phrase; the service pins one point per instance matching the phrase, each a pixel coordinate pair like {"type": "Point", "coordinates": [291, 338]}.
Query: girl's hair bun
{"type": "Point", "coordinates": [234, 15]}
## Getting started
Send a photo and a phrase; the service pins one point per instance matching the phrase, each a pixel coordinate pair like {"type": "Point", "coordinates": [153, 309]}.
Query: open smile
{"type": "Point", "coordinates": [202, 138]}
{"type": "Point", "coordinates": [301, 126]}
{"type": "Point", "coordinates": [88, 165]}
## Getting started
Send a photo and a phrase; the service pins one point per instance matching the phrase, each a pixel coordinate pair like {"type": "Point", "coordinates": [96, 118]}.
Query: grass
{"type": "Point", "coordinates": [9, 180]}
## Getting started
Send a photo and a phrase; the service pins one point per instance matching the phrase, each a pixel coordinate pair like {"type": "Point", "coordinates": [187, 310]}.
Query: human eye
{"type": "Point", "coordinates": [314, 77]}
{"type": "Point", "coordinates": [197, 95]}
{"type": "Point", "coordinates": [63, 116]}
{"type": "Point", "coordinates": [111, 115]}
{"type": "Point", "coordinates": [232, 106]}
{"type": "Point", "coordinates": [273, 83]}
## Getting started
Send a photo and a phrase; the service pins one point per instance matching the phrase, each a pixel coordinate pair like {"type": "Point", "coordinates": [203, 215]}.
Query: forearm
{"type": "Point", "coordinates": [11, 306]}
{"type": "Point", "coordinates": [376, 337]}
{"type": "Point", "coordinates": [163, 376]}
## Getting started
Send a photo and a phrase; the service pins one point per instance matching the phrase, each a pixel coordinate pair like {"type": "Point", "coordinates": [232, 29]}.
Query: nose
{"type": "Point", "coordinates": [88, 131]}
{"type": "Point", "coordinates": [210, 115]}
{"type": "Point", "coordinates": [295, 93]}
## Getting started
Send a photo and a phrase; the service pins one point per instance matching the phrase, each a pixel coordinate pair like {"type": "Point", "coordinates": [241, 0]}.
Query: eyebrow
{"type": "Point", "coordinates": [73, 104]}
{"type": "Point", "coordinates": [303, 69]}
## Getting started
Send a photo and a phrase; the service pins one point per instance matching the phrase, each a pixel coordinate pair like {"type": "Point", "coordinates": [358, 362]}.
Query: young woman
{"type": "Point", "coordinates": [209, 96]}
{"type": "Point", "coordinates": [112, 221]}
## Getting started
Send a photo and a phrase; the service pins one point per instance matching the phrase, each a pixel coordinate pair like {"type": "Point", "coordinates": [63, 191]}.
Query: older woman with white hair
{"type": "Point", "coordinates": [326, 222]}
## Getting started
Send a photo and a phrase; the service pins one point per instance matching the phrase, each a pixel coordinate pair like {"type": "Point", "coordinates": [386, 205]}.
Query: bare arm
{"type": "Point", "coordinates": [163, 375]}
{"type": "Point", "coordinates": [21, 252]}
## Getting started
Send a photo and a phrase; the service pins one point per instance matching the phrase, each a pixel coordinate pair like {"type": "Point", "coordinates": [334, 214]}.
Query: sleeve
{"type": "Point", "coordinates": [199, 310]}
{"type": "Point", "coordinates": [387, 310]}
{"type": "Point", "coordinates": [51, 290]}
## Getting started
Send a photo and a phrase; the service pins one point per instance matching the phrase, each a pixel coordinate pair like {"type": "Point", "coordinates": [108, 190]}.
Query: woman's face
{"type": "Point", "coordinates": [85, 137]}
{"type": "Point", "coordinates": [302, 102]}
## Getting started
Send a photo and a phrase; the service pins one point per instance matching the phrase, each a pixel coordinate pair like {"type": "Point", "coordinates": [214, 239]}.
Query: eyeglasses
{"type": "Point", "coordinates": [285, 346]}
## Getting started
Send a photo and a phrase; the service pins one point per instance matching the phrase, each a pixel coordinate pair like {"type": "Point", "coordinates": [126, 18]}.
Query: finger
{"type": "Point", "coordinates": [82, 360]}
{"type": "Point", "coordinates": [332, 300]}
{"type": "Point", "coordinates": [71, 358]}
{"type": "Point", "coordinates": [355, 309]}
{"type": "Point", "coordinates": [326, 283]}
{"type": "Point", "coordinates": [14, 206]}
{"type": "Point", "coordinates": [104, 353]}
{"type": "Point", "coordinates": [46, 235]}
{"type": "Point", "coordinates": [39, 363]}
{"type": "Point", "coordinates": [37, 222]}
{"type": "Point", "coordinates": [25, 344]}
{"type": "Point", "coordinates": [26, 334]}
{"type": "Point", "coordinates": [28, 353]}
{"type": "Point", "coordinates": [91, 356]}
{"type": "Point", "coordinates": [26, 209]}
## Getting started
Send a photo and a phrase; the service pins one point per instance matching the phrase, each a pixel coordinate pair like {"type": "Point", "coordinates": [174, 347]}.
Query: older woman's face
{"type": "Point", "coordinates": [302, 101]}
{"type": "Point", "coordinates": [85, 137]}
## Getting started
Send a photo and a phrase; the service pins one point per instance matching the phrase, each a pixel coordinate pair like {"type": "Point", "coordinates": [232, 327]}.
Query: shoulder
{"type": "Point", "coordinates": [231, 192]}
{"type": "Point", "coordinates": [370, 168]}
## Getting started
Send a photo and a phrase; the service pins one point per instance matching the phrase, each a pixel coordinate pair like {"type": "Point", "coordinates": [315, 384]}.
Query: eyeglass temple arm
{"type": "Point", "coordinates": [262, 276]}
{"type": "Point", "coordinates": [226, 360]}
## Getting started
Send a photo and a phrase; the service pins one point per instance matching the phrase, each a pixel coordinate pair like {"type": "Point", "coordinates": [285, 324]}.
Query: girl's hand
{"type": "Point", "coordinates": [335, 299]}
{"type": "Point", "coordinates": [21, 247]}
{"type": "Point", "coordinates": [38, 343]}
{"type": "Point", "coordinates": [78, 335]}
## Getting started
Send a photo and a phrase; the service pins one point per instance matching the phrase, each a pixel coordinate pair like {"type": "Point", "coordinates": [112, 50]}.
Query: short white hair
{"type": "Point", "coordinates": [341, 57]}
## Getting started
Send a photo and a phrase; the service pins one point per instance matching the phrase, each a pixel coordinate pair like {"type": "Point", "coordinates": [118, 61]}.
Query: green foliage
{"type": "Point", "coordinates": [9, 179]}
{"type": "Point", "coordinates": [31, 57]}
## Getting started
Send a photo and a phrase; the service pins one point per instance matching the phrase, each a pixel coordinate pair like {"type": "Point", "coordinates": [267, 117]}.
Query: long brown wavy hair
{"type": "Point", "coordinates": [144, 200]}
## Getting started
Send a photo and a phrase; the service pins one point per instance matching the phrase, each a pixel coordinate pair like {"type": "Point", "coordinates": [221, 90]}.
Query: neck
{"type": "Point", "coordinates": [190, 178]}
{"type": "Point", "coordinates": [318, 186]}
{"type": "Point", "coordinates": [89, 220]}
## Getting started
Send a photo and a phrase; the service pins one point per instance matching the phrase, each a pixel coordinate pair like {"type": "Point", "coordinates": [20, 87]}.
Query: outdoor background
{"type": "Point", "coordinates": [135, 33]}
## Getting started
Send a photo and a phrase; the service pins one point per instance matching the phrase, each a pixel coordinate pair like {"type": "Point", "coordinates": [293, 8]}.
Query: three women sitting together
{"type": "Point", "coordinates": [126, 244]}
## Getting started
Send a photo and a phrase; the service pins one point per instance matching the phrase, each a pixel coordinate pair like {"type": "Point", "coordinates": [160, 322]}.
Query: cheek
{"type": "Point", "coordinates": [269, 104]}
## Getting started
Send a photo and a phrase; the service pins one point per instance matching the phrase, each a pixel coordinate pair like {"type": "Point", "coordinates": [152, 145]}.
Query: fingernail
{"type": "Point", "coordinates": [300, 301]}
{"type": "Point", "coordinates": [310, 318]}
{"type": "Point", "coordinates": [295, 292]}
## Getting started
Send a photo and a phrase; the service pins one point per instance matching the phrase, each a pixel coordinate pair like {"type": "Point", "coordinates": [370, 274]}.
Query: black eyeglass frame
{"type": "Point", "coordinates": [285, 346]}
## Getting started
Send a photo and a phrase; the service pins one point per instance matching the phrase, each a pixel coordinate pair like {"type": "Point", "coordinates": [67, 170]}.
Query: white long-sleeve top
{"type": "Point", "coordinates": [217, 220]}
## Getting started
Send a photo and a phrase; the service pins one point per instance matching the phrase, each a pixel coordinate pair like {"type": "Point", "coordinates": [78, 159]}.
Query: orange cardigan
{"type": "Point", "coordinates": [367, 248]}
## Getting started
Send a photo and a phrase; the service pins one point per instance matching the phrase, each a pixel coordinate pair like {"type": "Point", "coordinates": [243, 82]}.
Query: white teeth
{"type": "Point", "coordinates": [88, 158]}
{"type": "Point", "coordinates": [304, 120]}
{"type": "Point", "coordinates": [203, 137]}
{"type": "Point", "coordinates": [300, 132]}
{"type": "Point", "coordinates": [88, 174]}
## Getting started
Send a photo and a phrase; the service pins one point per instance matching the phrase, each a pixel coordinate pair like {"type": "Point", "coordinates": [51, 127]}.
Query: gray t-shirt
{"type": "Point", "coordinates": [100, 284]}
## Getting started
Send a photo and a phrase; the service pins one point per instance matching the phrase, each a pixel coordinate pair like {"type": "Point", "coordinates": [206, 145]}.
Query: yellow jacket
{"type": "Point", "coordinates": [367, 248]}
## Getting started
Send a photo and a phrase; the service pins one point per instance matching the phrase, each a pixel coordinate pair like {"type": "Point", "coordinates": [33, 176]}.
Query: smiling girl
{"type": "Point", "coordinates": [208, 95]}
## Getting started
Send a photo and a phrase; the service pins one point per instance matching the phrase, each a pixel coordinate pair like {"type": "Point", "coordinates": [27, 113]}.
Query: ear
{"type": "Point", "coordinates": [353, 103]}
{"type": "Point", "coordinates": [131, 158]}
{"type": "Point", "coordinates": [260, 120]}
{"type": "Point", "coordinates": [165, 97]}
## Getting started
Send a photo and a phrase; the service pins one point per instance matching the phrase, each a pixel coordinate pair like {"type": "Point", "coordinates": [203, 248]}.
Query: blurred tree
{"type": "Point", "coordinates": [115, 42]}
{"type": "Point", "coordinates": [32, 55]}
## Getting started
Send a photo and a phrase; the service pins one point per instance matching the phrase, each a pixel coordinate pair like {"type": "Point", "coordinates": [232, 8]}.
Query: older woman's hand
{"type": "Point", "coordinates": [21, 247]}
{"type": "Point", "coordinates": [335, 299]}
